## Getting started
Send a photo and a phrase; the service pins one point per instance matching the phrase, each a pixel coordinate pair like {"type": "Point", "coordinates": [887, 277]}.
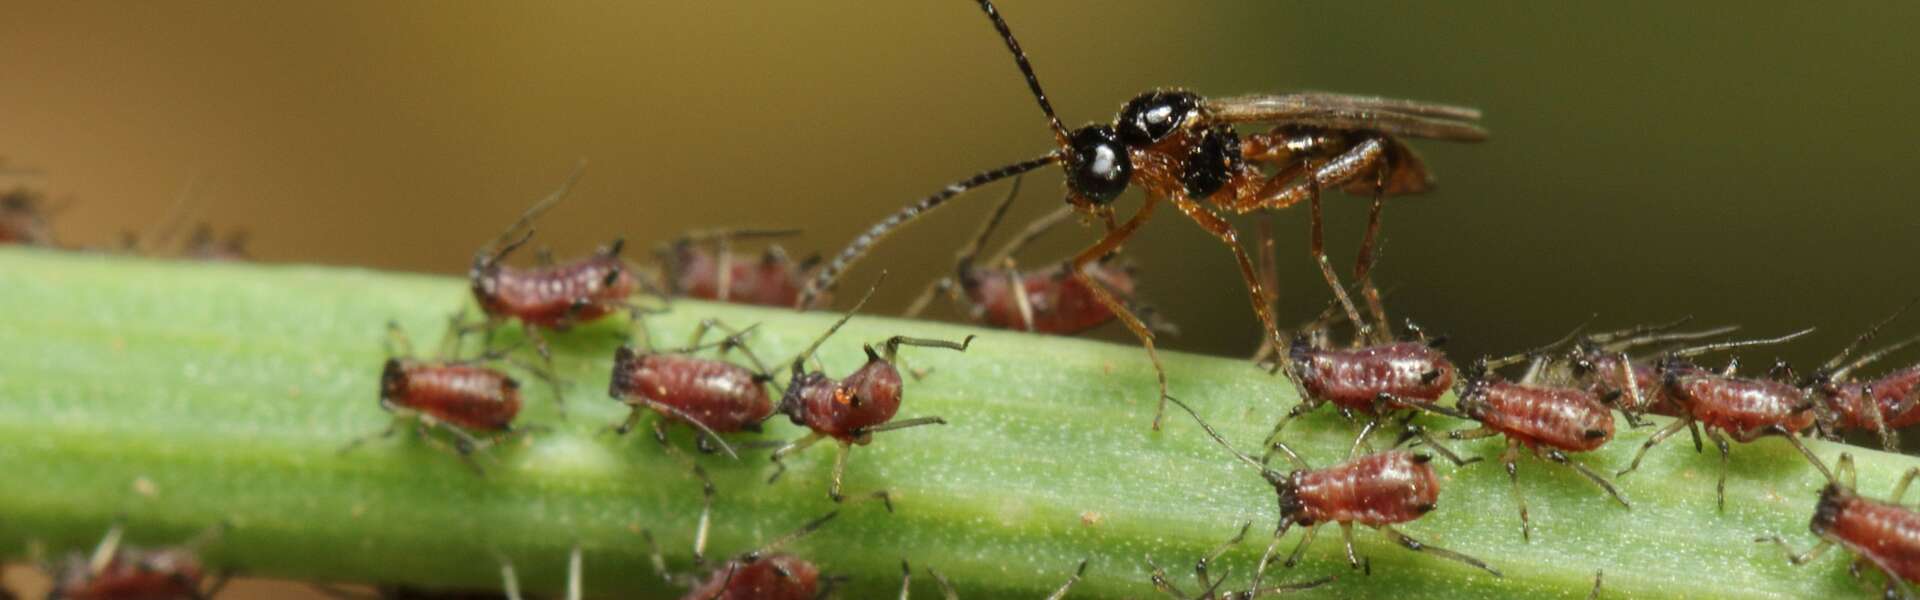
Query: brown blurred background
{"type": "Point", "coordinates": [1649, 160]}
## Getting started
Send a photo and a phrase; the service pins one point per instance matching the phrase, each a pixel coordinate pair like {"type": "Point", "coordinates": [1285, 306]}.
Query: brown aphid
{"type": "Point", "coordinates": [851, 409]}
{"type": "Point", "coordinates": [1210, 587]}
{"type": "Point", "coordinates": [1882, 405]}
{"type": "Point", "coordinates": [553, 297]}
{"type": "Point", "coordinates": [1884, 534]}
{"type": "Point", "coordinates": [1548, 421]}
{"type": "Point", "coordinates": [995, 292]}
{"type": "Point", "coordinates": [692, 271]}
{"type": "Point", "coordinates": [1183, 149]}
{"type": "Point", "coordinates": [473, 402]}
{"type": "Point", "coordinates": [25, 218]}
{"type": "Point", "coordinates": [1728, 406]}
{"type": "Point", "coordinates": [948, 593]}
{"type": "Point", "coordinates": [1378, 490]}
{"type": "Point", "coordinates": [115, 571]}
{"type": "Point", "coordinates": [1600, 363]}
{"type": "Point", "coordinates": [761, 574]}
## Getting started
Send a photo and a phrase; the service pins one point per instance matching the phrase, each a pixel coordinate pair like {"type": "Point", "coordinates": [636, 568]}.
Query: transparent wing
{"type": "Point", "coordinates": [1341, 111]}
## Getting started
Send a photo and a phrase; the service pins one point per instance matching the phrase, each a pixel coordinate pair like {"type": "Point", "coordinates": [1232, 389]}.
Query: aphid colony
{"type": "Point", "coordinates": [1179, 148]}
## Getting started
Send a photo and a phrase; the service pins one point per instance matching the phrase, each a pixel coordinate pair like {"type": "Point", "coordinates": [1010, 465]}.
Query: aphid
{"type": "Point", "coordinates": [1377, 490]}
{"type": "Point", "coordinates": [26, 219]}
{"type": "Point", "coordinates": [1210, 588]}
{"type": "Point", "coordinates": [119, 572]}
{"type": "Point", "coordinates": [1744, 409]}
{"type": "Point", "coordinates": [1600, 363]}
{"type": "Point", "coordinates": [695, 272]}
{"type": "Point", "coordinates": [709, 394]}
{"type": "Point", "coordinates": [761, 574]}
{"type": "Point", "coordinates": [1182, 148]}
{"type": "Point", "coordinates": [472, 402]}
{"type": "Point", "coordinates": [1883, 405]}
{"type": "Point", "coordinates": [947, 591]}
{"type": "Point", "coordinates": [1548, 421]}
{"type": "Point", "coordinates": [994, 292]}
{"type": "Point", "coordinates": [852, 409]}
{"type": "Point", "coordinates": [553, 296]}
{"type": "Point", "coordinates": [1883, 534]}
{"type": "Point", "coordinates": [202, 245]}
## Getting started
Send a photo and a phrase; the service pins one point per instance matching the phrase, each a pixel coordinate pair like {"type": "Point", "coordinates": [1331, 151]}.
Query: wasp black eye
{"type": "Point", "coordinates": [1211, 161]}
{"type": "Point", "coordinates": [1099, 168]}
{"type": "Point", "coordinates": [1149, 117]}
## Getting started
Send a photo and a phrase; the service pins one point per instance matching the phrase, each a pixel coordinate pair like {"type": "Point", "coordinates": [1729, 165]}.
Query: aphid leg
{"type": "Point", "coordinates": [906, 580]}
{"type": "Point", "coordinates": [791, 448]}
{"type": "Point", "coordinates": [839, 470]}
{"type": "Point", "coordinates": [1158, 576]}
{"type": "Point", "coordinates": [1353, 560]}
{"type": "Point", "coordinates": [509, 581]}
{"type": "Point", "coordinates": [1266, 557]}
{"type": "Point", "coordinates": [1200, 566]}
{"type": "Point", "coordinates": [575, 568]}
{"type": "Point", "coordinates": [654, 558]}
{"type": "Point", "coordinates": [398, 345]}
{"type": "Point", "coordinates": [108, 547]}
{"type": "Point", "coordinates": [679, 415]}
{"type": "Point", "coordinates": [1472, 434]}
{"type": "Point", "coordinates": [1804, 451]}
{"type": "Point", "coordinates": [1793, 558]}
{"type": "Point", "coordinates": [944, 286]}
{"type": "Point", "coordinates": [1078, 572]}
{"type": "Point", "coordinates": [1418, 546]}
{"type": "Point", "coordinates": [1562, 458]}
{"type": "Point", "coordinates": [1655, 439]}
{"type": "Point", "coordinates": [1693, 427]}
{"type": "Point", "coordinates": [1300, 549]}
{"type": "Point", "coordinates": [392, 428]}
{"type": "Point", "coordinates": [946, 587]}
{"type": "Point", "coordinates": [1106, 245]}
{"type": "Point", "coordinates": [1362, 330]}
{"type": "Point", "coordinates": [1297, 410]}
{"type": "Point", "coordinates": [1889, 439]}
{"type": "Point", "coordinates": [1510, 459]}
{"type": "Point", "coordinates": [1021, 301]}
{"type": "Point", "coordinates": [1410, 430]}
{"type": "Point", "coordinates": [1595, 593]}
{"type": "Point", "coordinates": [1720, 488]}
{"type": "Point", "coordinates": [1843, 474]}
{"type": "Point", "coordinates": [706, 514]}
{"type": "Point", "coordinates": [1900, 489]}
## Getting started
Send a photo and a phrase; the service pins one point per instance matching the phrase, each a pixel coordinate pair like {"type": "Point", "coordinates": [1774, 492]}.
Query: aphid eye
{"type": "Point", "coordinates": [1098, 168]}
{"type": "Point", "coordinates": [1150, 117]}
{"type": "Point", "coordinates": [1211, 161]}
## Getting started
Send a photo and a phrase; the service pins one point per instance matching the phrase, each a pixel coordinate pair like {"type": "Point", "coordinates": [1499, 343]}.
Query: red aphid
{"type": "Point", "coordinates": [24, 219]}
{"type": "Point", "coordinates": [1885, 534]}
{"type": "Point", "coordinates": [852, 409]}
{"type": "Point", "coordinates": [474, 403]}
{"type": "Point", "coordinates": [1896, 395]}
{"type": "Point", "coordinates": [1547, 421]}
{"type": "Point", "coordinates": [710, 394]}
{"type": "Point", "coordinates": [1744, 409]}
{"type": "Point", "coordinates": [119, 572]}
{"type": "Point", "coordinates": [1369, 379]}
{"type": "Point", "coordinates": [1378, 490]}
{"type": "Point", "coordinates": [771, 577]}
{"type": "Point", "coordinates": [773, 279]}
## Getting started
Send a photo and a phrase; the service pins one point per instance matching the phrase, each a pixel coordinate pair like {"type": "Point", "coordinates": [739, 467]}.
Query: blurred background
{"type": "Point", "coordinates": [1649, 160]}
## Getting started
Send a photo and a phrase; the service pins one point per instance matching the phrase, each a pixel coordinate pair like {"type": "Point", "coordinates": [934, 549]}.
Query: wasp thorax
{"type": "Point", "coordinates": [1152, 116]}
{"type": "Point", "coordinates": [1098, 167]}
{"type": "Point", "coordinates": [1211, 161]}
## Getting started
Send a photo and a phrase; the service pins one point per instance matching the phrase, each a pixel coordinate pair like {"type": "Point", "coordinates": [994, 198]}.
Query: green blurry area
{"type": "Point", "coordinates": [1746, 164]}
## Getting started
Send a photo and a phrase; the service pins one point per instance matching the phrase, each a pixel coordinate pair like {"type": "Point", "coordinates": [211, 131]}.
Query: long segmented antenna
{"type": "Point", "coordinates": [1865, 337]}
{"type": "Point", "coordinates": [500, 246]}
{"type": "Point", "coordinates": [1503, 361]}
{"type": "Point", "coordinates": [1026, 68]}
{"type": "Point", "coordinates": [830, 273]}
{"type": "Point", "coordinates": [1703, 349]}
{"type": "Point", "coordinates": [1216, 437]}
{"type": "Point", "coordinates": [793, 535]}
{"type": "Point", "coordinates": [799, 361]}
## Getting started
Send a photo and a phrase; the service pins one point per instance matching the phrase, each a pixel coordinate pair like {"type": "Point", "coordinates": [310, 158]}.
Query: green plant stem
{"type": "Point", "coordinates": [180, 395]}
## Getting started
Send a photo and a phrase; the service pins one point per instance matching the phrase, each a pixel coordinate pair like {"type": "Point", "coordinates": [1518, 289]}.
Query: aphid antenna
{"type": "Point", "coordinates": [506, 243]}
{"type": "Point", "coordinates": [1833, 365]}
{"type": "Point", "coordinates": [1033, 231]}
{"type": "Point", "coordinates": [1536, 352]}
{"type": "Point", "coordinates": [1060, 134]}
{"type": "Point", "coordinates": [1608, 337]}
{"type": "Point", "coordinates": [964, 259]}
{"type": "Point", "coordinates": [575, 566]}
{"type": "Point", "coordinates": [1292, 587]}
{"type": "Point", "coordinates": [1270, 474]}
{"type": "Point", "coordinates": [109, 547]}
{"type": "Point", "coordinates": [1871, 357]}
{"type": "Point", "coordinates": [1662, 338]}
{"type": "Point", "coordinates": [176, 216]}
{"type": "Point", "coordinates": [946, 587]}
{"type": "Point", "coordinates": [830, 273]}
{"type": "Point", "coordinates": [1078, 572]}
{"type": "Point", "coordinates": [740, 233]}
{"type": "Point", "coordinates": [799, 361]}
{"type": "Point", "coordinates": [791, 536]}
{"type": "Point", "coordinates": [1719, 346]}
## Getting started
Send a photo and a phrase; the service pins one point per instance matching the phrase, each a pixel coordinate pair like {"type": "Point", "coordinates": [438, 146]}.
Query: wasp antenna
{"type": "Point", "coordinates": [1026, 68]}
{"type": "Point", "coordinates": [830, 273]}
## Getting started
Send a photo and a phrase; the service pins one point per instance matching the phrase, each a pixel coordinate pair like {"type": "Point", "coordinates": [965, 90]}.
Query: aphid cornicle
{"type": "Point", "coordinates": [948, 593]}
{"type": "Point", "coordinates": [1378, 490]}
{"type": "Point", "coordinates": [553, 296]}
{"type": "Point", "coordinates": [115, 571]}
{"type": "Point", "coordinates": [851, 409]}
{"type": "Point", "coordinates": [764, 573]}
{"type": "Point", "coordinates": [1744, 409]}
{"type": "Point", "coordinates": [1183, 149]}
{"type": "Point", "coordinates": [692, 271]}
{"type": "Point", "coordinates": [1884, 534]}
{"type": "Point", "coordinates": [1210, 588]}
{"type": "Point", "coordinates": [474, 403]}
{"type": "Point", "coordinates": [993, 291]}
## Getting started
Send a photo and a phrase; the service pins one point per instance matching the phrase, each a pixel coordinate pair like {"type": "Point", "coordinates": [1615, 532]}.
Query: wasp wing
{"type": "Point", "coordinates": [1341, 111]}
